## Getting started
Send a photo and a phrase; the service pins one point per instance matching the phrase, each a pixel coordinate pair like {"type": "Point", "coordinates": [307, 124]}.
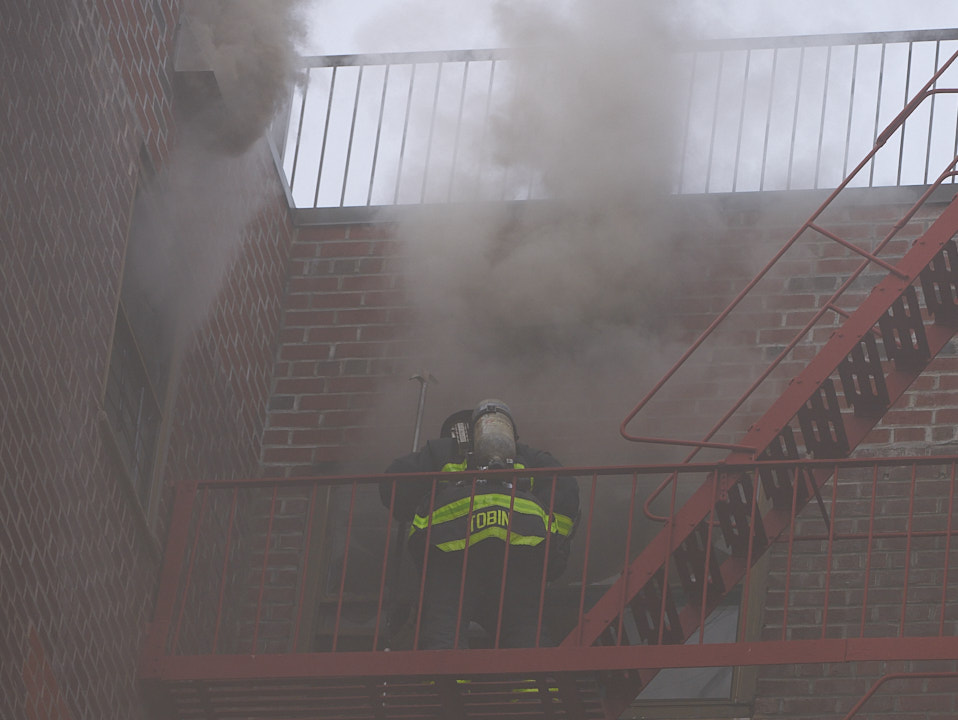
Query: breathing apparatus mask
{"type": "Point", "coordinates": [493, 436]}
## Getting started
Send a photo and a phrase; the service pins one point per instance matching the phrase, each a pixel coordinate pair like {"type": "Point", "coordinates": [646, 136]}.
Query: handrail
{"type": "Point", "coordinates": [895, 676]}
{"type": "Point", "coordinates": [925, 92]}
{"type": "Point", "coordinates": [239, 559]}
{"type": "Point", "coordinates": [726, 465]}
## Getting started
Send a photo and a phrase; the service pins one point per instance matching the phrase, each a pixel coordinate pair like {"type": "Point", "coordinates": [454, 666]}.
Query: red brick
{"type": "Point", "coordinates": [320, 234]}
{"type": "Point", "coordinates": [293, 419]}
{"type": "Point", "coordinates": [345, 249]}
{"type": "Point", "coordinates": [286, 455]}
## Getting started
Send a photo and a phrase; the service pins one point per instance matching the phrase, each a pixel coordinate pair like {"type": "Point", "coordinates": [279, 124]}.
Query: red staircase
{"type": "Point", "coordinates": [913, 311]}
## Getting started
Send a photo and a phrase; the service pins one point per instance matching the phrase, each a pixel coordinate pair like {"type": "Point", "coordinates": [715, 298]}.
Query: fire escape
{"type": "Point", "coordinates": [652, 614]}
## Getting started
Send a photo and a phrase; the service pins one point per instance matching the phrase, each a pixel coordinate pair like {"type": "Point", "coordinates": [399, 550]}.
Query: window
{"type": "Point", "coordinates": [140, 361]}
{"type": "Point", "coordinates": [132, 410]}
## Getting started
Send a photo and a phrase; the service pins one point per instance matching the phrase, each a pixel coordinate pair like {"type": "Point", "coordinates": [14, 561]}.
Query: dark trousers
{"type": "Point", "coordinates": [480, 601]}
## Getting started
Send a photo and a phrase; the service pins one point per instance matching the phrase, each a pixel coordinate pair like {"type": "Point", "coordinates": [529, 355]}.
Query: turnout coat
{"type": "Point", "coordinates": [462, 512]}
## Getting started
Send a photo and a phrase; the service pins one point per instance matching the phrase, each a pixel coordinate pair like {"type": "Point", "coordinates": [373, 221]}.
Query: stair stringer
{"type": "Point", "coordinates": [820, 371]}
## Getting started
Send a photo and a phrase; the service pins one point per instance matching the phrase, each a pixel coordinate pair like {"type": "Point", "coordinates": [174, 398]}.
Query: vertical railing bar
{"type": "Point", "coordinates": [708, 557]}
{"type": "Point", "coordinates": [545, 565]}
{"type": "Point", "coordinates": [851, 110]}
{"type": "Point", "coordinates": [944, 584]}
{"type": "Point", "coordinates": [881, 83]}
{"type": "Point", "coordinates": [432, 127]}
{"type": "Point", "coordinates": [715, 107]}
{"type": "Point", "coordinates": [455, 142]}
{"type": "Point", "coordinates": [425, 563]}
{"type": "Point", "coordinates": [585, 560]}
{"type": "Point", "coordinates": [342, 574]}
{"type": "Point", "coordinates": [748, 560]}
{"type": "Point", "coordinates": [793, 518]}
{"type": "Point", "coordinates": [505, 563]}
{"type": "Point", "coordinates": [668, 565]}
{"type": "Point", "coordinates": [904, 124]}
{"type": "Point", "coordinates": [306, 547]}
{"type": "Point", "coordinates": [688, 121]}
{"type": "Point", "coordinates": [507, 168]}
{"type": "Point", "coordinates": [821, 125]}
{"type": "Point", "coordinates": [189, 572]}
{"type": "Point", "coordinates": [379, 132]}
{"type": "Point", "coordinates": [465, 564]}
{"type": "Point", "coordinates": [322, 150]}
{"type": "Point", "coordinates": [831, 548]}
{"type": "Point", "coordinates": [405, 133]}
{"type": "Point", "coordinates": [352, 134]}
{"type": "Point", "coordinates": [628, 554]}
{"type": "Point", "coordinates": [908, 540]}
{"type": "Point", "coordinates": [931, 116]}
{"type": "Point", "coordinates": [299, 129]}
{"type": "Point", "coordinates": [385, 565]}
{"type": "Point", "coordinates": [955, 151]}
{"type": "Point", "coordinates": [262, 577]}
{"type": "Point", "coordinates": [226, 557]}
{"type": "Point", "coordinates": [798, 102]}
{"type": "Point", "coordinates": [485, 129]}
{"type": "Point", "coordinates": [871, 541]}
{"type": "Point", "coordinates": [768, 118]}
{"type": "Point", "coordinates": [741, 120]}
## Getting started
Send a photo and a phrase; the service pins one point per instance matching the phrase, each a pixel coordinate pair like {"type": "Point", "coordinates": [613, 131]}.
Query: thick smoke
{"type": "Point", "coordinates": [560, 307]}
{"type": "Point", "coordinates": [236, 63]}
{"type": "Point", "coordinates": [250, 47]}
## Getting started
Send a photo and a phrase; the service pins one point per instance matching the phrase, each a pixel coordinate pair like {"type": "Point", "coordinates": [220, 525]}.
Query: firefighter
{"type": "Point", "coordinates": [492, 524]}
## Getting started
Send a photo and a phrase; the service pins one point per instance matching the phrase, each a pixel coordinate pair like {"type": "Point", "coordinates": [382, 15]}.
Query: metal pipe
{"type": "Point", "coordinates": [944, 582]}
{"type": "Point", "coordinates": [322, 152]}
{"type": "Point", "coordinates": [307, 543]}
{"type": "Point", "coordinates": [894, 676]}
{"type": "Point", "coordinates": [424, 379]}
{"type": "Point", "coordinates": [352, 136]}
{"type": "Point", "coordinates": [226, 557]}
{"type": "Point", "coordinates": [342, 577]}
{"type": "Point", "coordinates": [262, 578]}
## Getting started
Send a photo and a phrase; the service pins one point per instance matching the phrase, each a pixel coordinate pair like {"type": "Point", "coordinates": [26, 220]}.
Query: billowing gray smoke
{"type": "Point", "coordinates": [236, 62]}
{"type": "Point", "coordinates": [250, 48]}
{"type": "Point", "coordinates": [559, 306]}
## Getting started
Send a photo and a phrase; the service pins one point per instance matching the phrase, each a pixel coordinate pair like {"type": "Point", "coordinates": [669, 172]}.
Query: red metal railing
{"type": "Point", "coordinates": [274, 592]}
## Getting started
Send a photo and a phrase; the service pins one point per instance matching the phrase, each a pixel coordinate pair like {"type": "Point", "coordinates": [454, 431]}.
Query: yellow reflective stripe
{"type": "Point", "coordinates": [494, 531]}
{"type": "Point", "coordinates": [460, 508]}
{"type": "Point", "coordinates": [561, 524]}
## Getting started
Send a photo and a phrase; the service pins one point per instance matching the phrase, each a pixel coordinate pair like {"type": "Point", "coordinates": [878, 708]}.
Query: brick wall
{"type": "Point", "coordinates": [86, 87]}
{"type": "Point", "coordinates": [342, 345]}
{"type": "Point", "coordinates": [342, 400]}
{"type": "Point", "coordinates": [77, 577]}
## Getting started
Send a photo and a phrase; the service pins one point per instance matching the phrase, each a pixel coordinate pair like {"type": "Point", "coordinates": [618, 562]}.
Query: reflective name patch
{"type": "Point", "coordinates": [495, 516]}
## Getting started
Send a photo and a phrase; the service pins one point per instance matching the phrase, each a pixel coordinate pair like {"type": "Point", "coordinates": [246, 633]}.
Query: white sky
{"type": "Point", "coordinates": [362, 26]}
